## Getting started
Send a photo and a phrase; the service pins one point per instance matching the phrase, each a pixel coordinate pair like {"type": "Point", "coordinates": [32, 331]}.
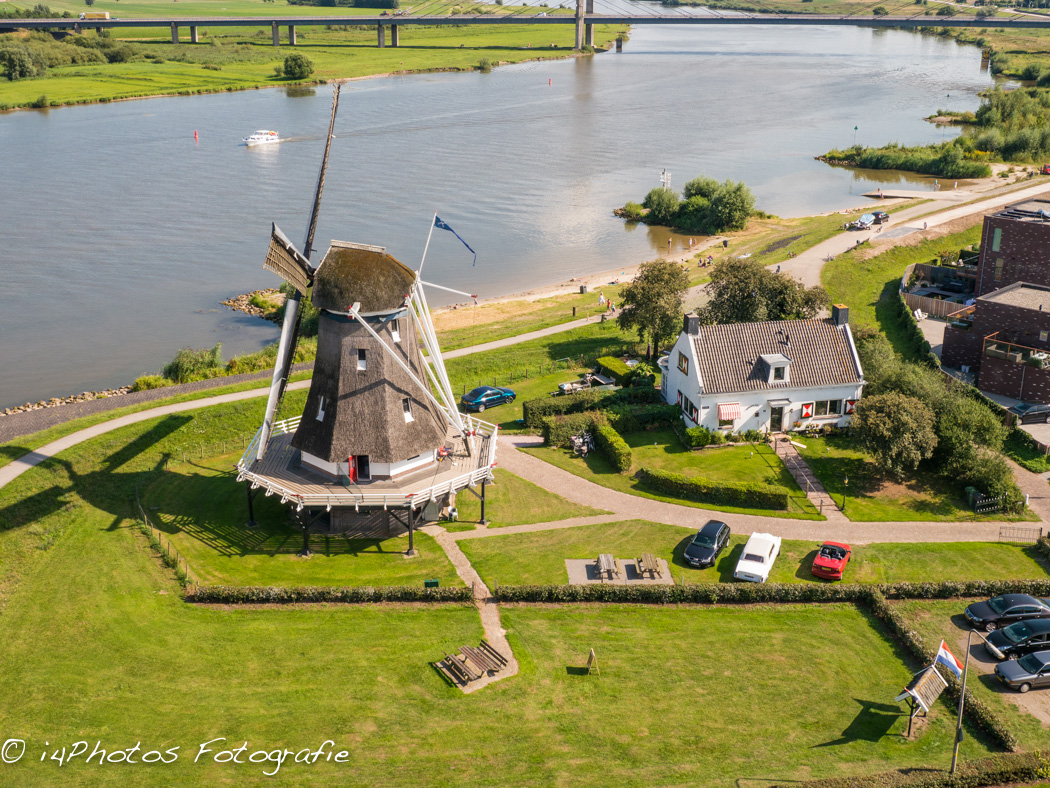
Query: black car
{"type": "Point", "coordinates": [881, 217]}
{"type": "Point", "coordinates": [1031, 670]}
{"type": "Point", "coordinates": [485, 397]}
{"type": "Point", "coordinates": [1000, 611]}
{"type": "Point", "coordinates": [708, 543]}
{"type": "Point", "coordinates": [1019, 639]}
{"type": "Point", "coordinates": [1028, 413]}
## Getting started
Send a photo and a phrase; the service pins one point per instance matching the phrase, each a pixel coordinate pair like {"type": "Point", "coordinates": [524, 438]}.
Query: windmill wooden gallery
{"type": "Point", "coordinates": [380, 440]}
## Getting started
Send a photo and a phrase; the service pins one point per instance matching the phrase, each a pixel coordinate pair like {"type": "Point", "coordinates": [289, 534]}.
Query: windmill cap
{"type": "Point", "coordinates": [361, 273]}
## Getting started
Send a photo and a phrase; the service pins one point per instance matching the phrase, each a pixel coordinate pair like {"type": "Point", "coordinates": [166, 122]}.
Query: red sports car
{"type": "Point", "coordinates": [831, 560]}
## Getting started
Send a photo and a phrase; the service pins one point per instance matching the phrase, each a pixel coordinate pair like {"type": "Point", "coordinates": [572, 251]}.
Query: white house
{"type": "Point", "coordinates": [769, 376]}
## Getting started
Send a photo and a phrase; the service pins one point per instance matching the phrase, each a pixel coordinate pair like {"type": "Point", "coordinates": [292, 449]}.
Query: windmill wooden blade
{"type": "Point", "coordinates": [285, 260]}
{"type": "Point", "coordinates": [308, 246]}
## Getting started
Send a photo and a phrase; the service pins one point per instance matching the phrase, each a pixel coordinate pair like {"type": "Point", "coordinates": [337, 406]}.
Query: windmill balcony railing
{"type": "Point", "coordinates": [415, 499]}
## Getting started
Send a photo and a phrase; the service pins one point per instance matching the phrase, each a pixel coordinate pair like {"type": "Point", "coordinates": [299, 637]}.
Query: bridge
{"type": "Point", "coordinates": [584, 20]}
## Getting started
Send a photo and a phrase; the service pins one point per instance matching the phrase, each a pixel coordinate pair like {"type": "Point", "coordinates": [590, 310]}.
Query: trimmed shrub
{"type": "Point", "coordinates": [697, 437]}
{"type": "Point", "coordinates": [613, 447]}
{"type": "Point", "coordinates": [615, 368]}
{"type": "Point", "coordinates": [535, 410]}
{"type": "Point", "coordinates": [632, 418]}
{"type": "Point", "coordinates": [558, 429]}
{"type": "Point", "coordinates": [271, 595]}
{"type": "Point", "coordinates": [694, 488]}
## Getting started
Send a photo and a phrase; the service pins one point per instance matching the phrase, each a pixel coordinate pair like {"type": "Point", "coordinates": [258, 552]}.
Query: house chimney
{"type": "Point", "coordinates": [839, 314]}
{"type": "Point", "coordinates": [691, 324]}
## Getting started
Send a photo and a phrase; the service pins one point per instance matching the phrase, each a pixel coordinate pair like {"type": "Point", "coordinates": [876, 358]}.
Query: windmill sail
{"type": "Point", "coordinates": [294, 267]}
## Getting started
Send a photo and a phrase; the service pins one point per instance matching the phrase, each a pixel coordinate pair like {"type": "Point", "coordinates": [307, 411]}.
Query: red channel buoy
{"type": "Point", "coordinates": [195, 135]}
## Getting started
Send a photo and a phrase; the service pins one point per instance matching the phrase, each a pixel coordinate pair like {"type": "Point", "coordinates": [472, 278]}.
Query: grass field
{"type": "Point", "coordinates": [869, 284]}
{"type": "Point", "coordinates": [539, 558]}
{"type": "Point", "coordinates": [733, 463]}
{"type": "Point", "coordinates": [871, 497]}
{"type": "Point", "coordinates": [935, 620]}
{"type": "Point", "coordinates": [511, 500]}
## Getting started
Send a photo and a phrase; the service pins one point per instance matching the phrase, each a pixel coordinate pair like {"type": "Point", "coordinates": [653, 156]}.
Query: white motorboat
{"type": "Point", "coordinates": [262, 137]}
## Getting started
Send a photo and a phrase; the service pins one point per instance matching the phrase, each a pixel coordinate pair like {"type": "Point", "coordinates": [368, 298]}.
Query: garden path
{"type": "Point", "coordinates": [806, 479]}
{"type": "Point", "coordinates": [490, 620]}
{"type": "Point", "coordinates": [630, 507]}
{"type": "Point", "coordinates": [1035, 486]}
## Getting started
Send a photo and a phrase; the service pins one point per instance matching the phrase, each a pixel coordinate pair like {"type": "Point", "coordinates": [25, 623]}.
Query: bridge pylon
{"type": "Point", "coordinates": [581, 15]}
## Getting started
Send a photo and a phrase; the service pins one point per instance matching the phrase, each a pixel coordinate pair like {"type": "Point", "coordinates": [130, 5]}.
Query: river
{"type": "Point", "coordinates": [122, 233]}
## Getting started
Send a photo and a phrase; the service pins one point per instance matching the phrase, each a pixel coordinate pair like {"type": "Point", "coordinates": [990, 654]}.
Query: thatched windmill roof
{"type": "Point", "coordinates": [358, 272]}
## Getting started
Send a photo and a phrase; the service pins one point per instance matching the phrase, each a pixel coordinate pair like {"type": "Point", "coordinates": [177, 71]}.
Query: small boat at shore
{"type": "Point", "coordinates": [262, 137]}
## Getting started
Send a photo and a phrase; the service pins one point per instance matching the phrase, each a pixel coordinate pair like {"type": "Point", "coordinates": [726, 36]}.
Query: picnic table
{"type": "Point", "coordinates": [608, 567]}
{"type": "Point", "coordinates": [650, 564]}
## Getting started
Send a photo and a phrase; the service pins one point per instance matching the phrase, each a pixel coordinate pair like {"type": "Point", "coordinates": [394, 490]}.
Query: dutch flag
{"type": "Point", "coordinates": [947, 658]}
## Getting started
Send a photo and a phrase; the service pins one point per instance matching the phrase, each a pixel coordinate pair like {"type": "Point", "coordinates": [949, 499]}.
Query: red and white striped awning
{"type": "Point", "coordinates": [730, 411]}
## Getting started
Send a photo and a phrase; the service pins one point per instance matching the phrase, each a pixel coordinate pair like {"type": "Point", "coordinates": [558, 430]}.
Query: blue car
{"type": "Point", "coordinates": [486, 397]}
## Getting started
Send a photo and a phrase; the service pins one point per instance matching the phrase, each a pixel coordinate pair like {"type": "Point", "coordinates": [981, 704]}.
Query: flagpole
{"type": "Point", "coordinates": [419, 273]}
{"type": "Point", "coordinates": [962, 697]}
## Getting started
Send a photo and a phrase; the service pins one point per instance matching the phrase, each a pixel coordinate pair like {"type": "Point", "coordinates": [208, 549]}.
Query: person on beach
{"type": "Point", "coordinates": [778, 269]}
{"type": "Point", "coordinates": [924, 225]}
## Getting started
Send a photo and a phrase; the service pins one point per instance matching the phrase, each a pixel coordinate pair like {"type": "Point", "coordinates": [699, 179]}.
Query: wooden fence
{"type": "Point", "coordinates": [935, 307]}
{"type": "Point", "coordinates": [163, 545]}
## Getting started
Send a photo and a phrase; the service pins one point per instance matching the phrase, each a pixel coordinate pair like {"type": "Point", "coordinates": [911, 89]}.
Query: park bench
{"type": "Point", "coordinates": [609, 567]}
{"type": "Point", "coordinates": [471, 663]}
{"type": "Point", "coordinates": [650, 564]}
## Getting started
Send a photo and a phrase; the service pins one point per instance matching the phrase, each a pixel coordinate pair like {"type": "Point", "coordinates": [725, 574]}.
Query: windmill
{"type": "Point", "coordinates": [381, 435]}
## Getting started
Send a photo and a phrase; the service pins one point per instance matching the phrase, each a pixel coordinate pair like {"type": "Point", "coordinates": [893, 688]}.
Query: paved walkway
{"type": "Point", "coordinates": [806, 479]}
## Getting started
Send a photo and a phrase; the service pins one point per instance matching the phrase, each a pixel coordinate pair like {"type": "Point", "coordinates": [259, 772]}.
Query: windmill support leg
{"type": "Point", "coordinates": [411, 528]}
{"type": "Point", "coordinates": [251, 508]}
{"type": "Point", "coordinates": [483, 521]}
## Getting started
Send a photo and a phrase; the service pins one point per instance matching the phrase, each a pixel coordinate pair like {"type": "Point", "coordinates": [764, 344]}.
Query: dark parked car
{"type": "Point", "coordinates": [881, 217]}
{"type": "Point", "coordinates": [1031, 670]}
{"type": "Point", "coordinates": [1019, 639]}
{"type": "Point", "coordinates": [1031, 414]}
{"type": "Point", "coordinates": [708, 543]}
{"type": "Point", "coordinates": [1001, 611]}
{"type": "Point", "coordinates": [486, 397]}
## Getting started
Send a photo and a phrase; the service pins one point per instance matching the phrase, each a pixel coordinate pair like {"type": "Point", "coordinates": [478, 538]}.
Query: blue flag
{"type": "Point", "coordinates": [438, 223]}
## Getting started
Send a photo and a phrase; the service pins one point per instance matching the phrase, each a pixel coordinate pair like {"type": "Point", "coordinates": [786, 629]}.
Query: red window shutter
{"type": "Point", "coordinates": [807, 410]}
{"type": "Point", "coordinates": [851, 405]}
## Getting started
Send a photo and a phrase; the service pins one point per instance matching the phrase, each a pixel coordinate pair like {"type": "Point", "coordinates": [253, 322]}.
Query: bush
{"type": "Point", "coordinates": [641, 374]}
{"type": "Point", "coordinates": [534, 410]}
{"type": "Point", "coordinates": [613, 447]}
{"type": "Point", "coordinates": [662, 204]}
{"type": "Point", "coordinates": [270, 595]}
{"type": "Point", "coordinates": [632, 418]}
{"type": "Point", "coordinates": [558, 429]}
{"type": "Point", "coordinates": [879, 10]}
{"type": "Point", "coordinates": [695, 488]}
{"type": "Point", "coordinates": [697, 437]}
{"type": "Point", "coordinates": [298, 66]}
{"type": "Point", "coordinates": [149, 382]}
{"type": "Point", "coordinates": [632, 212]}
{"type": "Point", "coordinates": [615, 368]}
{"type": "Point", "coordinates": [21, 62]}
{"type": "Point", "coordinates": [189, 364]}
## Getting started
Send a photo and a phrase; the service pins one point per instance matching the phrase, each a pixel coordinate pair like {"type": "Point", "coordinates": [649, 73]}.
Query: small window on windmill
{"type": "Point", "coordinates": [406, 405]}
{"type": "Point", "coordinates": [320, 410]}
{"type": "Point", "coordinates": [362, 360]}
{"type": "Point", "coordinates": [395, 333]}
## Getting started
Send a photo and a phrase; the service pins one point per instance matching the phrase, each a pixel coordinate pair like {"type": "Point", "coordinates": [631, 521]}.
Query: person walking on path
{"type": "Point", "coordinates": [601, 298]}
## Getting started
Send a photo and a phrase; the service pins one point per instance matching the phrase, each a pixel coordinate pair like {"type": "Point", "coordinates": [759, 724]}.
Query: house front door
{"type": "Point", "coordinates": [776, 419]}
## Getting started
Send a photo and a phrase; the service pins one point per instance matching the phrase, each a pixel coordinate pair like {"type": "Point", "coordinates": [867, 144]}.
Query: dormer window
{"type": "Point", "coordinates": [362, 359]}
{"type": "Point", "coordinates": [320, 410]}
{"type": "Point", "coordinates": [395, 334]}
{"type": "Point", "coordinates": [778, 368]}
{"type": "Point", "coordinates": [406, 406]}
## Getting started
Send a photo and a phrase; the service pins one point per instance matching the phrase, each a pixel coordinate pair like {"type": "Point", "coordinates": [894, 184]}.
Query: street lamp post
{"type": "Point", "coordinates": [845, 484]}
{"type": "Point", "coordinates": [962, 697]}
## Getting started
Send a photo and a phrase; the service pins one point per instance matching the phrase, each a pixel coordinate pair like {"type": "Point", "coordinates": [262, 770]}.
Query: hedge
{"type": "Point", "coordinates": [558, 429]}
{"type": "Point", "coordinates": [263, 595]}
{"type": "Point", "coordinates": [535, 410]}
{"type": "Point", "coordinates": [1043, 547]}
{"type": "Point", "coordinates": [1021, 767]}
{"type": "Point", "coordinates": [613, 447]}
{"type": "Point", "coordinates": [616, 368]}
{"type": "Point", "coordinates": [695, 488]}
{"type": "Point", "coordinates": [923, 352]}
{"type": "Point", "coordinates": [632, 418]}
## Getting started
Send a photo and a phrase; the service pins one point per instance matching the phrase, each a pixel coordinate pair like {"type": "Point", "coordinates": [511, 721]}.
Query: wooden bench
{"type": "Point", "coordinates": [471, 663]}
{"type": "Point", "coordinates": [650, 564]}
{"type": "Point", "coordinates": [609, 567]}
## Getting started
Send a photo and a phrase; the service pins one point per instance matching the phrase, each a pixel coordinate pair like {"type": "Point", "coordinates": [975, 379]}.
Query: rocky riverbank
{"type": "Point", "coordinates": [54, 402]}
{"type": "Point", "coordinates": [249, 303]}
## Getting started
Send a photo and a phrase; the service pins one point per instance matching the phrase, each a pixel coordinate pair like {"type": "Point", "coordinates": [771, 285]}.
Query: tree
{"type": "Point", "coordinates": [692, 216]}
{"type": "Point", "coordinates": [19, 62]}
{"type": "Point", "coordinates": [89, 2]}
{"type": "Point", "coordinates": [731, 206]}
{"type": "Point", "coordinates": [745, 291]}
{"type": "Point", "coordinates": [896, 430]}
{"type": "Point", "coordinates": [880, 10]}
{"type": "Point", "coordinates": [298, 66]}
{"type": "Point", "coordinates": [700, 187]}
{"type": "Point", "coordinates": [662, 204]}
{"type": "Point", "coordinates": [652, 302]}
{"type": "Point", "coordinates": [877, 357]}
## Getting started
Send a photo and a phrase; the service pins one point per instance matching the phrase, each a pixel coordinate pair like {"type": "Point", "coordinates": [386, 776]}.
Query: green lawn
{"type": "Point", "coordinates": [869, 286]}
{"type": "Point", "coordinates": [871, 497]}
{"type": "Point", "coordinates": [511, 500]}
{"type": "Point", "coordinates": [1021, 452]}
{"type": "Point", "coordinates": [731, 463]}
{"type": "Point", "coordinates": [202, 509]}
{"type": "Point", "coordinates": [939, 619]}
{"type": "Point", "coordinates": [539, 557]}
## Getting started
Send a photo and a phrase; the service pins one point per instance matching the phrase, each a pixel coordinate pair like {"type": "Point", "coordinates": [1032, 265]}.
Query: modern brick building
{"type": "Point", "coordinates": [1004, 337]}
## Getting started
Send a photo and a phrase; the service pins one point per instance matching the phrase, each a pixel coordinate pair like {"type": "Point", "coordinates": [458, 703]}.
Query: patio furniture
{"type": "Point", "coordinates": [649, 564]}
{"type": "Point", "coordinates": [609, 567]}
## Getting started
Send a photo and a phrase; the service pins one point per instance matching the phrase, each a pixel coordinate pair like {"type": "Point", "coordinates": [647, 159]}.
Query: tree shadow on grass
{"type": "Point", "coordinates": [872, 723]}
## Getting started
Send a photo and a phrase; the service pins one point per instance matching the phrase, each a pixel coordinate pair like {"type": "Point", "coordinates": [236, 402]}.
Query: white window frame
{"type": "Point", "coordinates": [406, 408]}
{"type": "Point", "coordinates": [395, 334]}
{"type": "Point", "coordinates": [362, 359]}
